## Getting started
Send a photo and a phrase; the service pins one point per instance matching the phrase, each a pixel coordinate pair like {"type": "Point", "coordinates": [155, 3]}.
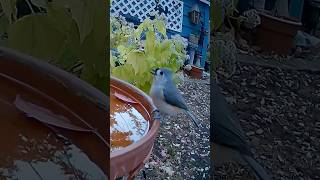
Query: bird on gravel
{"type": "Point", "coordinates": [166, 96]}
{"type": "Point", "coordinates": [228, 142]}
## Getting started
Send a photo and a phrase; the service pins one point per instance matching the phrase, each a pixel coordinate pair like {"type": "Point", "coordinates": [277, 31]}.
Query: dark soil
{"type": "Point", "coordinates": [279, 109]}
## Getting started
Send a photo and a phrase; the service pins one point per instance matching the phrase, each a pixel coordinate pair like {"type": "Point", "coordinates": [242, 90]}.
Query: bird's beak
{"type": "Point", "coordinates": [153, 71]}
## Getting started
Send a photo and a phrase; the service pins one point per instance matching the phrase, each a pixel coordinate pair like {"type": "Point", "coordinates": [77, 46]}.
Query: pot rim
{"type": "Point", "coordinates": [88, 91]}
{"type": "Point", "coordinates": [280, 19]}
{"type": "Point", "coordinates": [153, 128]}
{"type": "Point", "coordinates": [196, 67]}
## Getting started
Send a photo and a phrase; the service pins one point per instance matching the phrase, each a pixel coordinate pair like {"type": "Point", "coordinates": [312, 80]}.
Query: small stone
{"type": "Point", "coordinates": [280, 159]}
{"type": "Point", "coordinates": [309, 155]}
{"type": "Point", "coordinates": [263, 157]}
{"type": "Point", "coordinates": [250, 133]}
{"type": "Point", "coordinates": [259, 131]}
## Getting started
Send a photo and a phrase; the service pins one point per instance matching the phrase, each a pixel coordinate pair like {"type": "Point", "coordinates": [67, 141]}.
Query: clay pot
{"type": "Point", "coordinates": [195, 72]}
{"type": "Point", "coordinates": [129, 160]}
{"type": "Point", "coordinates": [277, 34]}
{"type": "Point", "coordinates": [33, 92]}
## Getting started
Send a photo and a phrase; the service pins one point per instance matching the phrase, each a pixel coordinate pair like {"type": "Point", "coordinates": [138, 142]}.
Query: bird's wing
{"type": "Point", "coordinates": [173, 97]}
{"type": "Point", "coordinates": [225, 125]}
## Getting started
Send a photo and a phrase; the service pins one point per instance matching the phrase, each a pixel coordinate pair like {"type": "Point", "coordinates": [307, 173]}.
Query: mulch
{"type": "Point", "coordinates": [181, 150]}
{"type": "Point", "coordinates": [279, 109]}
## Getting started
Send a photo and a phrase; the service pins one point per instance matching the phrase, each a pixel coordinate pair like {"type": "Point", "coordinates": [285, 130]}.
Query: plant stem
{"type": "Point", "coordinates": [30, 6]}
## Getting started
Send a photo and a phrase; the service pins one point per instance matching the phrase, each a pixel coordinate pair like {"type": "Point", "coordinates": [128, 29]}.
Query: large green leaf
{"type": "Point", "coordinates": [34, 35]}
{"type": "Point", "coordinates": [9, 8]}
{"type": "Point", "coordinates": [70, 52]}
{"type": "Point", "coordinates": [4, 24]}
{"type": "Point", "coordinates": [138, 62]}
{"type": "Point", "coordinates": [150, 42]}
{"type": "Point", "coordinates": [59, 16]}
{"type": "Point", "coordinates": [83, 12]}
{"type": "Point", "coordinates": [93, 49]}
{"type": "Point", "coordinates": [217, 16]}
{"type": "Point", "coordinates": [161, 27]}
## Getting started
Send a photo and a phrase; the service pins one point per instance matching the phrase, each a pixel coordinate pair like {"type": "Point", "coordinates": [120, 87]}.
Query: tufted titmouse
{"type": "Point", "coordinates": [166, 96]}
{"type": "Point", "coordinates": [228, 142]}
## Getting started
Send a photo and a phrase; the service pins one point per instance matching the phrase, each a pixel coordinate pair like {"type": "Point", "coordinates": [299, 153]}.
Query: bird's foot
{"type": "Point", "coordinates": [156, 115]}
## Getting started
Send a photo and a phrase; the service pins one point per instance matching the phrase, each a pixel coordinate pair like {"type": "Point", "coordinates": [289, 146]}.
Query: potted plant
{"type": "Point", "coordinates": [197, 70]}
{"type": "Point", "coordinates": [277, 29]}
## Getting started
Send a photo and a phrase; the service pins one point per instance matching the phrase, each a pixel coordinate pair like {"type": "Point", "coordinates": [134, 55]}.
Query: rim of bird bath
{"type": "Point", "coordinates": [129, 160]}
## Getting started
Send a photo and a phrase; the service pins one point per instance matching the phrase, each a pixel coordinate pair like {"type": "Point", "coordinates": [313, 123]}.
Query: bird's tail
{"type": "Point", "coordinates": [257, 168]}
{"type": "Point", "coordinates": [195, 121]}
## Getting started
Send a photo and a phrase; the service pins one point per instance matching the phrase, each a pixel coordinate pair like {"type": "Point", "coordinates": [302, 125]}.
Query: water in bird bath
{"type": "Point", "coordinates": [127, 120]}
{"type": "Point", "coordinates": [33, 150]}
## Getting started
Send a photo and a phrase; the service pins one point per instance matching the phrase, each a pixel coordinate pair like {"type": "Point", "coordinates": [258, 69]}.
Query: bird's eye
{"type": "Point", "coordinates": [161, 73]}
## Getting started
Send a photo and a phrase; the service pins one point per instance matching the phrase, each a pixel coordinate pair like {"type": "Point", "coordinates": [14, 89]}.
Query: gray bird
{"type": "Point", "coordinates": [166, 96]}
{"type": "Point", "coordinates": [227, 138]}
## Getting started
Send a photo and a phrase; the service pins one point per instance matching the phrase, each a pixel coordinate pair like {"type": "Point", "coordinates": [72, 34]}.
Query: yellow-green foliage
{"type": "Point", "coordinates": [133, 58]}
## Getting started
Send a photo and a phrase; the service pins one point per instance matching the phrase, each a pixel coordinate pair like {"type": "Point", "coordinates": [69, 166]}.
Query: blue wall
{"type": "Point", "coordinates": [188, 27]}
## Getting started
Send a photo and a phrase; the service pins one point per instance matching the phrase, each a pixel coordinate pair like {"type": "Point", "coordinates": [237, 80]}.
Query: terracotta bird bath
{"type": "Point", "coordinates": [53, 125]}
{"type": "Point", "coordinates": [133, 129]}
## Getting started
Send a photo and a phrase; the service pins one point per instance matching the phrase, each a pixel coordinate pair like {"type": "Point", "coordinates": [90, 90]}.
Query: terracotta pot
{"type": "Point", "coordinates": [129, 160]}
{"type": "Point", "coordinates": [277, 34]}
{"type": "Point", "coordinates": [195, 72]}
{"type": "Point", "coordinates": [35, 94]}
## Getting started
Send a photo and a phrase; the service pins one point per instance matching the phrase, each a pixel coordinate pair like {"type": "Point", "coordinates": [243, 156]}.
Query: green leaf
{"type": "Point", "coordinates": [161, 27]}
{"type": "Point", "coordinates": [150, 41]}
{"type": "Point", "coordinates": [40, 3]}
{"type": "Point", "coordinates": [151, 60]}
{"type": "Point", "coordinates": [217, 17]}
{"type": "Point", "coordinates": [4, 24]}
{"type": "Point", "coordinates": [121, 72]}
{"type": "Point", "coordinates": [92, 50]}
{"type": "Point", "coordinates": [137, 60]}
{"type": "Point", "coordinates": [59, 16]}
{"type": "Point", "coordinates": [33, 34]}
{"type": "Point", "coordinates": [83, 12]}
{"type": "Point", "coordinates": [122, 49]}
{"type": "Point", "coordinates": [3, 42]}
{"type": "Point", "coordinates": [70, 52]}
{"type": "Point", "coordinates": [9, 8]}
{"type": "Point", "coordinates": [67, 58]}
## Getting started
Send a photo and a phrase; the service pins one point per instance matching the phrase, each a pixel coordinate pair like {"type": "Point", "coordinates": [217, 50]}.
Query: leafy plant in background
{"type": "Point", "coordinates": [136, 51]}
{"type": "Point", "coordinates": [223, 43]}
{"type": "Point", "coordinates": [225, 54]}
{"type": "Point", "coordinates": [223, 47]}
{"type": "Point", "coordinates": [67, 33]}
{"type": "Point", "coordinates": [222, 9]}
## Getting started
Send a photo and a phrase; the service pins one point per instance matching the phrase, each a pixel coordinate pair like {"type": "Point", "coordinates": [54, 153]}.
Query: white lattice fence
{"type": "Point", "coordinates": [142, 9]}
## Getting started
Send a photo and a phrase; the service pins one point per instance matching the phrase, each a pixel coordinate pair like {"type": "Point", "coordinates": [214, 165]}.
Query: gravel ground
{"type": "Point", "coordinates": [182, 151]}
{"type": "Point", "coordinates": [280, 112]}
